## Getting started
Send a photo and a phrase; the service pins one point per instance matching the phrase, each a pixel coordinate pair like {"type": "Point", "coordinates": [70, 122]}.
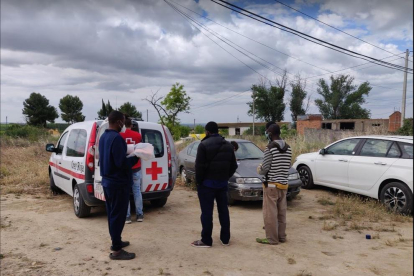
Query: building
{"type": "Point", "coordinates": [315, 121]}
{"type": "Point", "coordinates": [237, 129]}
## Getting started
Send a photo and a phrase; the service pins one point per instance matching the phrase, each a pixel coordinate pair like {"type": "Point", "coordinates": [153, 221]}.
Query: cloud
{"type": "Point", "coordinates": [125, 50]}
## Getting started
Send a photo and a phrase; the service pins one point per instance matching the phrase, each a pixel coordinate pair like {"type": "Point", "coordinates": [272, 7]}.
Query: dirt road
{"type": "Point", "coordinates": [41, 236]}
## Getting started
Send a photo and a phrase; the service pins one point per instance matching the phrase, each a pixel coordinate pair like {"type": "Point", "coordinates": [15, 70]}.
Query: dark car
{"type": "Point", "coordinates": [246, 183]}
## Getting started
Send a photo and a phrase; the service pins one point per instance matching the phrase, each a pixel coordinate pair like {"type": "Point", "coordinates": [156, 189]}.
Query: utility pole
{"type": "Point", "coordinates": [194, 125]}
{"type": "Point", "coordinates": [253, 115]}
{"type": "Point", "coordinates": [404, 98]}
{"type": "Point", "coordinates": [147, 115]}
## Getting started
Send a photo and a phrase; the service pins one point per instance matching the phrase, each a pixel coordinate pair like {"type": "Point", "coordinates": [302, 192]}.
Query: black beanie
{"type": "Point", "coordinates": [212, 127]}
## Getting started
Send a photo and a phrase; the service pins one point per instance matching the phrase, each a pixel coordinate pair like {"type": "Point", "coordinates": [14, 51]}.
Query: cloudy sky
{"type": "Point", "coordinates": [125, 50]}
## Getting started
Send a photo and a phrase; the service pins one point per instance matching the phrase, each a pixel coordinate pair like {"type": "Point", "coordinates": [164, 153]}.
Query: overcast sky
{"type": "Point", "coordinates": [125, 50]}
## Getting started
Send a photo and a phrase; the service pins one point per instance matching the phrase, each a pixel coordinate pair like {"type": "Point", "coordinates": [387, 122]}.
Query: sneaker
{"type": "Point", "coordinates": [224, 244]}
{"type": "Point", "coordinates": [140, 218]}
{"type": "Point", "coordinates": [264, 241]}
{"type": "Point", "coordinates": [122, 255]}
{"type": "Point", "coordinates": [128, 220]}
{"type": "Point", "coordinates": [124, 244]}
{"type": "Point", "coordinates": [282, 240]}
{"type": "Point", "coordinates": [200, 244]}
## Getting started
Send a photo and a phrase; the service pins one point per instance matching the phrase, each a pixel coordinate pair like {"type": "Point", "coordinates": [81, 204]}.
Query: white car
{"type": "Point", "coordinates": [74, 164]}
{"type": "Point", "coordinates": [380, 167]}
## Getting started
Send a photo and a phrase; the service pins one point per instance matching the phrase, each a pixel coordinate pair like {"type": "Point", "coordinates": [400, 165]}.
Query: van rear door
{"type": "Point", "coordinates": [154, 172]}
{"type": "Point", "coordinates": [97, 183]}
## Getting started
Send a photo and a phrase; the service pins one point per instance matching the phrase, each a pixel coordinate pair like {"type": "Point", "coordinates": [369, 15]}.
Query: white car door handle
{"type": "Point", "coordinates": [380, 163]}
{"type": "Point", "coordinates": [342, 160]}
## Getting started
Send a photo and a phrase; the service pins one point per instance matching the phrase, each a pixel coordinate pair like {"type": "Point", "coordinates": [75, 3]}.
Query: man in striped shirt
{"type": "Point", "coordinates": [276, 165]}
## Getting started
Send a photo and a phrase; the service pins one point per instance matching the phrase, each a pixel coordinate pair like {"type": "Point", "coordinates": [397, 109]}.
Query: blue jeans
{"type": "Point", "coordinates": [136, 190]}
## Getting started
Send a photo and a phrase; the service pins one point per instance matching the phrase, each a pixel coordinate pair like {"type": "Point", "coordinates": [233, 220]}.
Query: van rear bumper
{"type": "Point", "coordinates": [156, 195]}
{"type": "Point", "coordinates": [88, 198]}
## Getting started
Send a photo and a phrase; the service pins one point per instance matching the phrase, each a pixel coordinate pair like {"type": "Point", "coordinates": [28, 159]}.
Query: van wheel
{"type": "Point", "coordinates": [159, 202]}
{"type": "Point", "coordinates": [81, 209]}
{"type": "Point", "coordinates": [55, 190]}
{"type": "Point", "coordinates": [306, 177]}
{"type": "Point", "coordinates": [397, 197]}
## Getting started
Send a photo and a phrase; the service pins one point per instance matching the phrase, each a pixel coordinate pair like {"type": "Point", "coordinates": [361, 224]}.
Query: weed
{"type": "Point", "coordinates": [304, 273]}
{"type": "Point", "coordinates": [390, 243]}
{"type": "Point", "coordinates": [326, 217]}
{"type": "Point", "coordinates": [325, 201]}
{"type": "Point", "coordinates": [355, 226]}
{"type": "Point", "coordinates": [160, 271]}
{"type": "Point", "coordinates": [207, 272]}
{"type": "Point", "coordinates": [335, 237]}
{"type": "Point", "coordinates": [291, 260]}
{"type": "Point", "coordinates": [376, 236]}
{"type": "Point", "coordinates": [329, 226]}
{"type": "Point", "coordinates": [386, 229]}
{"type": "Point", "coordinates": [375, 270]}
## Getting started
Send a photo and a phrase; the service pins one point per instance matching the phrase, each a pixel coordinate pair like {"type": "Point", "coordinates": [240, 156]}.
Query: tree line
{"type": "Point", "coordinates": [340, 99]}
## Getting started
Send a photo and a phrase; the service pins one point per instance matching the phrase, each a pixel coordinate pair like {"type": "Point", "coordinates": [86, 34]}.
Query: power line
{"type": "Point", "coordinates": [335, 28]}
{"type": "Point", "coordinates": [314, 39]}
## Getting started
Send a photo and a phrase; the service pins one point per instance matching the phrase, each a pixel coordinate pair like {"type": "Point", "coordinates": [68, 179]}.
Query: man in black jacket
{"type": "Point", "coordinates": [215, 164]}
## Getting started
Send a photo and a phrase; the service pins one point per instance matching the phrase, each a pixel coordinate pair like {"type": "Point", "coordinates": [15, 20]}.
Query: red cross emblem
{"type": "Point", "coordinates": [154, 170]}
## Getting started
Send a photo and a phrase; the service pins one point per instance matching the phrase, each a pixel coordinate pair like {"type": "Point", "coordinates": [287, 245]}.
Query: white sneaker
{"type": "Point", "coordinates": [128, 220]}
{"type": "Point", "coordinates": [225, 244]}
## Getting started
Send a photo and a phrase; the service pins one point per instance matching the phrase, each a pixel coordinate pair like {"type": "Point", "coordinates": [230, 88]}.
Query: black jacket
{"type": "Point", "coordinates": [215, 160]}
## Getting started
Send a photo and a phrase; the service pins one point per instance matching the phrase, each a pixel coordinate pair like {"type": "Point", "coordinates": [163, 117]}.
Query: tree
{"type": "Point", "coordinates": [342, 99]}
{"type": "Point", "coordinates": [268, 100]}
{"type": "Point", "coordinates": [130, 109]}
{"type": "Point", "coordinates": [407, 128]}
{"type": "Point", "coordinates": [105, 110]}
{"type": "Point", "coordinates": [199, 129]}
{"type": "Point", "coordinates": [71, 108]}
{"type": "Point", "coordinates": [37, 110]}
{"type": "Point", "coordinates": [297, 96]}
{"type": "Point", "coordinates": [168, 107]}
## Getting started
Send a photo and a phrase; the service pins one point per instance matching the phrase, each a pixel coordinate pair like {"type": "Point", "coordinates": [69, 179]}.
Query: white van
{"type": "Point", "coordinates": [74, 164]}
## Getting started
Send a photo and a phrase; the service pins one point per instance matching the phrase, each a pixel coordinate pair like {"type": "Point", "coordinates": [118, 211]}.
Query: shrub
{"type": "Point", "coordinates": [407, 128]}
{"type": "Point", "coordinates": [25, 131]}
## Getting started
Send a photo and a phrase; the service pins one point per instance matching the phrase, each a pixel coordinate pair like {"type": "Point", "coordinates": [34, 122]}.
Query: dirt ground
{"type": "Point", "coordinates": [40, 235]}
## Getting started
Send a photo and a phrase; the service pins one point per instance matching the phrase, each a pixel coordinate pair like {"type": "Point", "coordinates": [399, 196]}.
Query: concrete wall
{"type": "Point", "coordinates": [232, 130]}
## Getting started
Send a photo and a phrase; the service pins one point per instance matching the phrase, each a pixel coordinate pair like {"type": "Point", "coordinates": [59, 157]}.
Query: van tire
{"type": "Point", "coordinates": [53, 188]}
{"type": "Point", "coordinates": [79, 207]}
{"type": "Point", "coordinates": [160, 202]}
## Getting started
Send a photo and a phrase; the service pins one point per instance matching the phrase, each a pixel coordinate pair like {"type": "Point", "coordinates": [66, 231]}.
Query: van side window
{"type": "Point", "coordinates": [101, 131]}
{"type": "Point", "coordinates": [76, 143]}
{"type": "Point", "coordinates": [154, 137]}
{"type": "Point", "coordinates": [61, 143]}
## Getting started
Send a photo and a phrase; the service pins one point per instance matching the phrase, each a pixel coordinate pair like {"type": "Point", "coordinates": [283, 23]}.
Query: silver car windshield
{"type": "Point", "coordinates": [248, 151]}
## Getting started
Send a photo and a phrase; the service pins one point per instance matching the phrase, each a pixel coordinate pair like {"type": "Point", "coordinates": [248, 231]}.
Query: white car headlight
{"type": "Point", "coordinates": [293, 176]}
{"type": "Point", "coordinates": [250, 180]}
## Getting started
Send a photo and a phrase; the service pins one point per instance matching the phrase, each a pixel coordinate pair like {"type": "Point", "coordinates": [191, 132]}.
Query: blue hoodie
{"type": "Point", "coordinates": [116, 168]}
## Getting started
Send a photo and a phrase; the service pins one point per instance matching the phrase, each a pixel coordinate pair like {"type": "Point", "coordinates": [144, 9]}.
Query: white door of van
{"type": "Point", "coordinates": [155, 172]}
{"type": "Point", "coordinates": [174, 158]}
{"type": "Point", "coordinates": [58, 177]}
{"type": "Point", "coordinates": [97, 183]}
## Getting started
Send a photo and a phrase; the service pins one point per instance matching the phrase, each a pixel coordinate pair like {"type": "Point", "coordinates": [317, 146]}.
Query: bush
{"type": "Point", "coordinates": [258, 130]}
{"type": "Point", "coordinates": [407, 128]}
{"type": "Point", "coordinates": [27, 132]}
{"type": "Point", "coordinates": [199, 129]}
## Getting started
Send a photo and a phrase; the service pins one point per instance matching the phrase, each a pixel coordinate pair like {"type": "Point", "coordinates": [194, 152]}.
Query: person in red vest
{"type": "Point", "coordinates": [133, 137]}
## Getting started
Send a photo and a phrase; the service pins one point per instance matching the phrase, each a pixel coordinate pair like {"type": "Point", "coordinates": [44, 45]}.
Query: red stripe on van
{"type": "Point", "coordinates": [164, 186]}
{"type": "Point", "coordinates": [74, 174]}
{"type": "Point", "coordinates": [156, 187]}
{"type": "Point", "coordinates": [148, 188]}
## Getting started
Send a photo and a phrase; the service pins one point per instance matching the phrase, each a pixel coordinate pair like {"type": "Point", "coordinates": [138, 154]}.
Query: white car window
{"type": "Point", "coordinates": [345, 147]}
{"type": "Point", "coordinates": [193, 151]}
{"type": "Point", "coordinates": [394, 151]}
{"type": "Point", "coordinates": [76, 143]}
{"type": "Point", "coordinates": [408, 149]}
{"type": "Point", "coordinates": [375, 148]}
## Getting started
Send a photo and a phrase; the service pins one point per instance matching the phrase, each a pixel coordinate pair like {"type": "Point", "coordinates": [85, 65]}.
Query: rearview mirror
{"type": "Point", "coordinates": [51, 148]}
{"type": "Point", "coordinates": [322, 151]}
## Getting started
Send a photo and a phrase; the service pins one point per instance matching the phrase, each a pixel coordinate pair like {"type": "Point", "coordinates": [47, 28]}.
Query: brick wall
{"type": "Point", "coordinates": [394, 121]}
{"type": "Point", "coordinates": [301, 125]}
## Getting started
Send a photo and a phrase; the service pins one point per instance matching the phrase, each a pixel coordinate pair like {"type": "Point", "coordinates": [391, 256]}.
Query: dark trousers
{"type": "Point", "coordinates": [116, 208]}
{"type": "Point", "coordinates": [206, 195]}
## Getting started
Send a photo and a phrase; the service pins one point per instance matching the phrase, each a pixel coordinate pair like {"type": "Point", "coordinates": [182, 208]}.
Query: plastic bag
{"type": "Point", "coordinates": [145, 151]}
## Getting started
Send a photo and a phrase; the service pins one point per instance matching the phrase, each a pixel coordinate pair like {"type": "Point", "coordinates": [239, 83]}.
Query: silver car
{"type": "Point", "coordinates": [246, 183]}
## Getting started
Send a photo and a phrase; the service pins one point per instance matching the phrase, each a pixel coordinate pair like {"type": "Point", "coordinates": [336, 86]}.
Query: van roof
{"type": "Point", "coordinates": [83, 125]}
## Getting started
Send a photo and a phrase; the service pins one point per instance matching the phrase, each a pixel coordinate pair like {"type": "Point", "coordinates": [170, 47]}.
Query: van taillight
{"type": "Point", "coordinates": [90, 157]}
{"type": "Point", "coordinates": [89, 188]}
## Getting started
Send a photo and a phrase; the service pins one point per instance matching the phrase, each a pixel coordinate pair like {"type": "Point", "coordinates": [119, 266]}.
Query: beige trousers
{"type": "Point", "coordinates": [274, 214]}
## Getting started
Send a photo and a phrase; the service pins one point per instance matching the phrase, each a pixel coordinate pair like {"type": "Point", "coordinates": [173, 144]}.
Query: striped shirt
{"type": "Point", "coordinates": [276, 164]}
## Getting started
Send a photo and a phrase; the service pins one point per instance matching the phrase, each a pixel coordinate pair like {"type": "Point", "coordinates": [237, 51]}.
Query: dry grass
{"type": "Point", "coordinates": [291, 260]}
{"type": "Point", "coordinates": [336, 237]}
{"type": "Point", "coordinates": [304, 273]}
{"type": "Point", "coordinates": [329, 226]}
{"type": "Point", "coordinates": [24, 167]}
{"type": "Point", "coordinates": [325, 201]}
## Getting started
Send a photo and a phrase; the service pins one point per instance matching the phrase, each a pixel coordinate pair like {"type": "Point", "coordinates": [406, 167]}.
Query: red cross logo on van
{"type": "Point", "coordinates": [154, 170]}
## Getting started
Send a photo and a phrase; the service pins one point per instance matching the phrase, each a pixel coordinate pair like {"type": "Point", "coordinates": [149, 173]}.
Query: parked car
{"type": "Point", "coordinates": [246, 183]}
{"type": "Point", "coordinates": [74, 164]}
{"type": "Point", "coordinates": [380, 167]}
